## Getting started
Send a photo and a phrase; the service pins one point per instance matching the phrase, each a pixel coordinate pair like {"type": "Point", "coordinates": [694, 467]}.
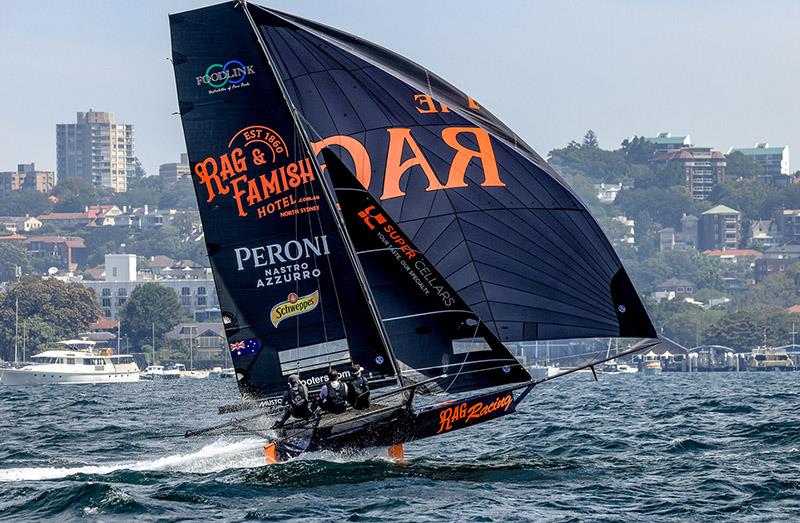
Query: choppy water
{"type": "Point", "coordinates": [657, 448]}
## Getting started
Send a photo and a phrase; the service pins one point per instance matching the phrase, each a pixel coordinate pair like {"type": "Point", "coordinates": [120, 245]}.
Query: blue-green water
{"type": "Point", "coordinates": [699, 447]}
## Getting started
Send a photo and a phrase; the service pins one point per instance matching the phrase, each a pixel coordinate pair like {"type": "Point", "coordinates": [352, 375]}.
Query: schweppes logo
{"type": "Point", "coordinates": [293, 306]}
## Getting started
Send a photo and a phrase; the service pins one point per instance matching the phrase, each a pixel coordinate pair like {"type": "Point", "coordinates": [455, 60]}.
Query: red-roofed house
{"type": "Point", "coordinates": [61, 247]}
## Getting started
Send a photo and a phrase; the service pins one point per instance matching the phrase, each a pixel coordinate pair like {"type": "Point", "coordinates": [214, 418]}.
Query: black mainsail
{"type": "Point", "coordinates": [358, 208]}
{"type": "Point", "coordinates": [290, 297]}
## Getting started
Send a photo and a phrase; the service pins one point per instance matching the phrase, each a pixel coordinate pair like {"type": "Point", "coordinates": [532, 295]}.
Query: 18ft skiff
{"type": "Point", "coordinates": [359, 209]}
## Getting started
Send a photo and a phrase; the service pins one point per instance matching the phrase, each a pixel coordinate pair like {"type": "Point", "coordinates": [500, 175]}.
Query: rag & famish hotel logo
{"type": "Point", "coordinates": [225, 77]}
{"type": "Point", "coordinates": [257, 173]}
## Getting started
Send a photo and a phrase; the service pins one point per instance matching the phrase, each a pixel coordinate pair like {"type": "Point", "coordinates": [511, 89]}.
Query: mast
{"type": "Point", "coordinates": [16, 331]}
{"type": "Point", "coordinates": [119, 322]}
{"type": "Point", "coordinates": [306, 143]}
{"type": "Point", "coordinates": [191, 356]}
{"type": "Point", "coordinates": [154, 342]}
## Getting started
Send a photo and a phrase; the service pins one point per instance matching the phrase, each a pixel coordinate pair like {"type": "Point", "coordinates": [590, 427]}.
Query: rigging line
{"type": "Point", "coordinates": [371, 251]}
{"type": "Point", "coordinates": [466, 356]}
{"type": "Point", "coordinates": [326, 192]}
{"type": "Point", "coordinates": [511, 359]}
{"type": "Point", "coordinates": [429, 313]}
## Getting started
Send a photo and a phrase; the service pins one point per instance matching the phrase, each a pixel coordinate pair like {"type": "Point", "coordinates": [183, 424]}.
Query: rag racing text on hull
{"type": "Point", "coordinates": [359, 209]}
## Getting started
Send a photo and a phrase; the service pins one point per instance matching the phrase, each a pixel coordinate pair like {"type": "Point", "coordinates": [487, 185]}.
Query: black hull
{"type": "Point", "coordinates": [394, 425]}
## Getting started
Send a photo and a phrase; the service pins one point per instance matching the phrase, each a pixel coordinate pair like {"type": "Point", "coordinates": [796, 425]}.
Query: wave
{"type": "Point", "coordinates": [215, 457]}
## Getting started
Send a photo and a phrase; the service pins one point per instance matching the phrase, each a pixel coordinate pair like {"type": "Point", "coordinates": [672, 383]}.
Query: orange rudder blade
{"type": "Point", "coordinates": [270, 454]}
{"type": "Point", "coordinates": [396, 452]}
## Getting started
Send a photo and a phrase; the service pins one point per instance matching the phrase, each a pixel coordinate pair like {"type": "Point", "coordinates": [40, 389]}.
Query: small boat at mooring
{"type": "Point", "coordinates": [358, 209]}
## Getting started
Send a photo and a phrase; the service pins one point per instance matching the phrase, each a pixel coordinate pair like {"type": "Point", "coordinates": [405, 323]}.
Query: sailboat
{"type": "Point", "coordinates": [358, 209]}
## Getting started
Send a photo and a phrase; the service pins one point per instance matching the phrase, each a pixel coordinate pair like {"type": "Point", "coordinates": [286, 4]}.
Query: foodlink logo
{"type": "Point", "coordinates": [293, 306]}
{"type": "Point", "coordinates": [232, 72]}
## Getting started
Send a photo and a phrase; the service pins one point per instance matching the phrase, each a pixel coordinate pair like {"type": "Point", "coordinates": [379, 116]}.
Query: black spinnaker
{"type": "Point", "coordinates": [504, 229]}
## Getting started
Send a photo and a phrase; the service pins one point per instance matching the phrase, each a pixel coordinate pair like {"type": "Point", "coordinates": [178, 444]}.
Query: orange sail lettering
{"type": "Point", "coordinates": [396, 168]}
{"type": "Point", "coordinates": [485, 153]}
{"type": "Point", "coordinates": [357, 152]}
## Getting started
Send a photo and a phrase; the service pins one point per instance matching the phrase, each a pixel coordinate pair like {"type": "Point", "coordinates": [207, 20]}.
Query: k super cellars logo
{"type": "Point", "coordinates": [293, 306]}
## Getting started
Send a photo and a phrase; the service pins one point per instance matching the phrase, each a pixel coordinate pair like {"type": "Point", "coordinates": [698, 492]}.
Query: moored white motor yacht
{"type": "Point", "coordinates": [75, 363]}
{"type": "Point", "coordinates": [614, 367]}
{"type": "Point", "coordinates": [152, 372]}
{"type": "Point", "coordinates": [174, 371]}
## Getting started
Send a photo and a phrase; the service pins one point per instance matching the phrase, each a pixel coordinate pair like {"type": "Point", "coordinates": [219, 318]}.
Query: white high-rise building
{"type": "Point", "coordinates": [97, 149]}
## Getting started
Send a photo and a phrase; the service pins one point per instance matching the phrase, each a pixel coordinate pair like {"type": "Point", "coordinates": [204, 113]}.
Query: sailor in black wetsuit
{"type": "Point", "coordinates": [358, 389]}
{"type": "Point", "coordinates": [295, 401]}
{"type": "Point", "coordinates": [333, 395]}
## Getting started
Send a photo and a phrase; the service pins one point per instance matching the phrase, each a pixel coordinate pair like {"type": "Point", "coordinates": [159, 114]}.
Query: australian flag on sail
{"type": "Point", "coordinates": [245, 347]}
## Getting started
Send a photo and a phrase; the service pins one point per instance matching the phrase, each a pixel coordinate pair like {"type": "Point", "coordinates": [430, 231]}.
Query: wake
{"type": "Point", "coordinates": [215, 457]}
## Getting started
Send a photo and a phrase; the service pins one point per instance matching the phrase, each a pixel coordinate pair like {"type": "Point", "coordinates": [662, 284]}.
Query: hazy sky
{"type": "Point", "coordinates": [726, 72]}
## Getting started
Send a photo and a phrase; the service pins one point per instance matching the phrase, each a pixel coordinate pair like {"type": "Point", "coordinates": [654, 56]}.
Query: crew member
{"type": "Point", "coordinates": [333, 395]}
{"type": "Point", "coordinates": [295, 401]}
{"type": "Point", "coordinates": [358, 389]}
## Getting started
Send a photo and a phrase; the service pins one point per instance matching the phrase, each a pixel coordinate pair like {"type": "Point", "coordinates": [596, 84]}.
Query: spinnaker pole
{"type": "Point", "coordinates": [348, 243]}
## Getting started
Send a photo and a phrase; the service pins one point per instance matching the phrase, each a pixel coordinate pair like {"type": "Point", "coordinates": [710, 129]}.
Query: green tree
{"type": "Point", "coordinates": [753, 198]}
{"type": "Point", "coordinates": [141, 192]}
{"type": "Point", "coordinates": [51, 309]}
{"type": "Point", "coordinates": [781, 289]}
{"type": "Point", "coordinates": [646, 234]}
{"type": "Point", "coordinates": [25, 202]}
{"type": "Point", "coordinates": [74, 195]}
{"type": "Point", "coordinates": [11, 257]}
{"type": "Point", "coordinates": [664, 176]}
{"type": "Point", "coordinates": [179, 195]}
{"type": "Point", "coordinates": [682, 321]}
{"type": "Point", "coordinates": [590, 140]}
{"type": "Point", "coordinates": [102, 240]}
{"type": "Point", "coordinates": [664, 206]}
{"type": "Point", "coordinates": [149, 305]}
{"type": "Point", "coordinates": [747, 328]}
{"type": "Point", "coordinates": [638, 150]}
{"type": "Point", "coordinates": [589, 160]}
{"type": "Point", "coordinates": [740, 166]}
